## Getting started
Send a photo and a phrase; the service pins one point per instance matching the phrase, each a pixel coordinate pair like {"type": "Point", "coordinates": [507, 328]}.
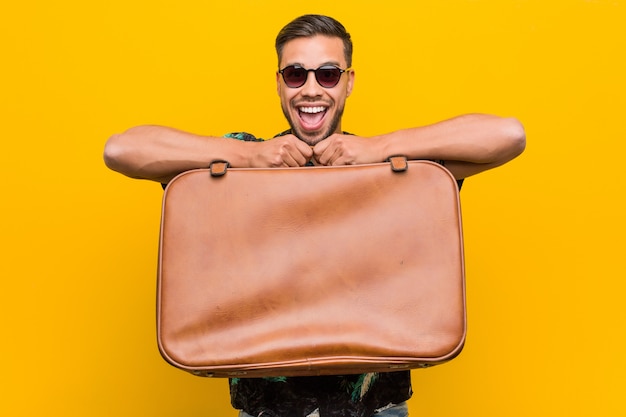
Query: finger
{"type": "Point", "coordinates": [293, 158]}
{"type": "Point", "coordinates": [322, 150]}
{"type": "Point", "coordinates": [291, 151]}
{"type": "Point", "coordinates": [302, 155]}
{"type": "Point", "coordinates": [320, 146]}
{"type": "Point", "coordinates": [305, 150]}
{"type": "Point", "coordinates": [334, 157]}
{"type": "Point", "coordinates": [300, 151]}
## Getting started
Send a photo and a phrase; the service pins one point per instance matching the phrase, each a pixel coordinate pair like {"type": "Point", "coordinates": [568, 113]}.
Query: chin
{"type": "Point", "coordinates": [308, 138]}
{"type": "Point", "coordinates": [313, 140]}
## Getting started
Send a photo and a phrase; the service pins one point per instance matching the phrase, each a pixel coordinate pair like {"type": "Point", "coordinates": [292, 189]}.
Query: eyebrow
{"type": "Point", "coordinates": [331, 63]}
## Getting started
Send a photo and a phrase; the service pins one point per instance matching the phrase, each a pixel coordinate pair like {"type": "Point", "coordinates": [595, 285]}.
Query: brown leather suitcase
{"type": "Point", "coordinates": [311, 271]}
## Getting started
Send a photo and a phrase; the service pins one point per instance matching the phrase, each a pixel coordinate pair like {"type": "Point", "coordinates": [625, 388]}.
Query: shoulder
{"type": "Point", "coordinates": [286, 132]}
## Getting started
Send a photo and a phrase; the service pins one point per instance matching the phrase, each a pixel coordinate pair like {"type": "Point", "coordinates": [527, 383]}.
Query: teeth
{"type": "Point", "coordinates": [311, 110]}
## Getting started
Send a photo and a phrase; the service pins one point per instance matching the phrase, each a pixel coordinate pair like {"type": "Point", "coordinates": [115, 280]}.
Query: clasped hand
{"type": "Point", "coordinates": [337, 149]}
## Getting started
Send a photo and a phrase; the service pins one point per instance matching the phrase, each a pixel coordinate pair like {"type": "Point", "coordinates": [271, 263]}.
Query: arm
{"type": "Point", "coordinates": [160, 153]}
{"type": "Point", "coordinates": [468, 144]}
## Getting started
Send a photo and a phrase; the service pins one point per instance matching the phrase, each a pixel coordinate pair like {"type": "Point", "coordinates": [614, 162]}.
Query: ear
{"type": "Point", "coordinates": [350, 84]}
{"type": "Point", "coordinates": [278, 84]}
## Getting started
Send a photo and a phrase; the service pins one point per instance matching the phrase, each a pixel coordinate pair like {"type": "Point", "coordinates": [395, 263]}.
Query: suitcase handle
{"type": "Point", "coordinates": [398, 163]}
{"type": "Point", "coordinates": [218, 167]}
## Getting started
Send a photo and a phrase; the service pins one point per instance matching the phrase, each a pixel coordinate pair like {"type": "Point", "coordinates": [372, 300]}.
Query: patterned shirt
{"type": "Point", "coordinates": [335, 396]}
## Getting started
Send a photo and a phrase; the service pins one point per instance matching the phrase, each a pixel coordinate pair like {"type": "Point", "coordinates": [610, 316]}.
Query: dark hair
{"type": "Point", "coordinates": [310, 25]}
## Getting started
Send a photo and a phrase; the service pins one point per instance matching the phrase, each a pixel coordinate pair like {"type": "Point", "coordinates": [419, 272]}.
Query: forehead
{"type": "Point", "coordinates": [314, 51]}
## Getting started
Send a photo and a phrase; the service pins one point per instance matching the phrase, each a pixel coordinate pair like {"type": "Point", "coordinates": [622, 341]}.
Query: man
{"type": "Point", "coordinates": [313, 81]}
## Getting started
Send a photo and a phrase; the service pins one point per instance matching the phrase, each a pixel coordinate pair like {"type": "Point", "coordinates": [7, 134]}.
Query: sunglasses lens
{"type": "Point", "coordinates": [328, 77]}
{"type": "Point", "coordinates": [294, 76]}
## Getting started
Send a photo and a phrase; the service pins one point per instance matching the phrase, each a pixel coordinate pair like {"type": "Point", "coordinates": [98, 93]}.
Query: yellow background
{"type": "Point", "coordinates": [544, 234]}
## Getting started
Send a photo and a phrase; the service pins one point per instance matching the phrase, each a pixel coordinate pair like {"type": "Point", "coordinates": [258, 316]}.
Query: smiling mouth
{"type": "Point", "coordinates": [312, 116]}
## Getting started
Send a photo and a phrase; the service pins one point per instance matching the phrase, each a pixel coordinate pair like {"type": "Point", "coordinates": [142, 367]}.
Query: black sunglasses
{"type": "Point", "coordinates": [327, 76]}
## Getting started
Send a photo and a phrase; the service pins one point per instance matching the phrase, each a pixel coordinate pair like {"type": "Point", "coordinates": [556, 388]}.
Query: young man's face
{"type": "Point", "coordinates": [314, 112]}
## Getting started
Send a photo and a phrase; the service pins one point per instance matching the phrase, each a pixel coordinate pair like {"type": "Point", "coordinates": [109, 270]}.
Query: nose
{"type": "Point", "coordinates": [311, 87]}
